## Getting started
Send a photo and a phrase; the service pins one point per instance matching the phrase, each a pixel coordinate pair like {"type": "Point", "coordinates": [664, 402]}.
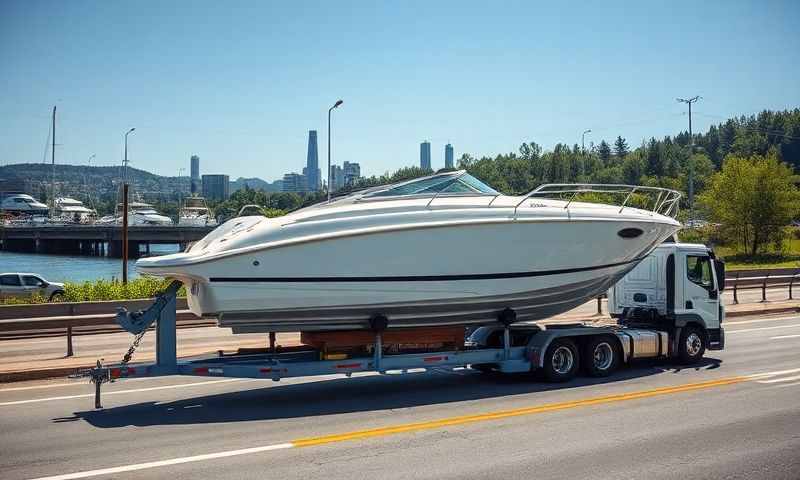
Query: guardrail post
{"type": "Point", "coordinates": [764, 289]}
{"type": "Point", "coordinates": [735, 290]}
{"type": "Point", "coordinates": [69, 341]}
{"type": "Point", "coordinates": [600, 305]}
{"type": "Point", "coordinates": [791, 284]}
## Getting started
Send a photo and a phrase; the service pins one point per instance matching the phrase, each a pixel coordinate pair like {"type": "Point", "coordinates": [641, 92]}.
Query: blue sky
{"type": "Point", "coordinates": [241, 83]}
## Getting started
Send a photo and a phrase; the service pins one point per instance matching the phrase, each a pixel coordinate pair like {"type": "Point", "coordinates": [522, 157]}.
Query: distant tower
{"type": "Point", "coordinates": [448, 156]}
{"type": "Point", "coordinates": [195, 174]}
{"type": "Point", "coordinates": [312, 163]}
{"type": "Point", "coordinates": [425, 155]}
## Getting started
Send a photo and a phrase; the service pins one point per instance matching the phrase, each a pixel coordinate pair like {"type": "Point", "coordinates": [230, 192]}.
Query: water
{"type": "Point", "coordinates": [73, 268]}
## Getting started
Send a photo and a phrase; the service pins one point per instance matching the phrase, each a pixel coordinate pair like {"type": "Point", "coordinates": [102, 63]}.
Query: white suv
{"type": "Point", "coordinates": [25, 285]}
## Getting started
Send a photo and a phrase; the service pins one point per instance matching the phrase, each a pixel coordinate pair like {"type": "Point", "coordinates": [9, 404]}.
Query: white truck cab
{"type": "Point", "coordinates": [678, 287]}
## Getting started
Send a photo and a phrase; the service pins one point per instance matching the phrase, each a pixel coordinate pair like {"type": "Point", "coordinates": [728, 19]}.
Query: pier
{"type": "Point", "coordinates": [96, 240]}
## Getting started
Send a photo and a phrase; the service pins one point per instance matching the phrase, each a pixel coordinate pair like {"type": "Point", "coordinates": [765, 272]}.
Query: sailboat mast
{"type": "Point", "coordinates": [53, 160]}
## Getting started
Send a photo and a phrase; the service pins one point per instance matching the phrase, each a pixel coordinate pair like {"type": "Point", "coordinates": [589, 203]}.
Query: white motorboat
{"type": "Point", "coordinates": [139, 213]}
{"type": "Point", "coordinates": [195, 213]}
{"type": "Point", "coordinates": [21, 204]}
{"type": "Point", "coordinates": [73, 210]}
{"type": "Point", "coordinates": [439, 250]}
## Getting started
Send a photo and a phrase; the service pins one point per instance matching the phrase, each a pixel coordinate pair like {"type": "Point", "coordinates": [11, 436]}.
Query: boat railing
{"type": "Point", "coordinates": [664, 200]}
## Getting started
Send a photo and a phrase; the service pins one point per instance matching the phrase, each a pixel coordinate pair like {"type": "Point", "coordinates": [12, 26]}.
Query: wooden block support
{"type": "Point", "coordinates": [358, 338]}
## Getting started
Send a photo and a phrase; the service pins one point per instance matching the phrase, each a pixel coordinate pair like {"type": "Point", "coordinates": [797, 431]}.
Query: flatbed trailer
{"type": "Point", "coordinates": [559, 352]}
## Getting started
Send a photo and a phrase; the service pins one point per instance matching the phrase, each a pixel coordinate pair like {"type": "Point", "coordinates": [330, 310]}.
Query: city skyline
{"type": "Point", "coordinates": [251, 99]}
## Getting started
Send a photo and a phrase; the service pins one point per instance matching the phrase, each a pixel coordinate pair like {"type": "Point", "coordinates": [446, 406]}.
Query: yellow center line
{"type": "Point", "coordinates": [466, 419]}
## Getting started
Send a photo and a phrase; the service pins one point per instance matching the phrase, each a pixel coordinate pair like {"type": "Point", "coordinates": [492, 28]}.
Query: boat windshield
{"type": "Point", "coordinates": [451, 182]}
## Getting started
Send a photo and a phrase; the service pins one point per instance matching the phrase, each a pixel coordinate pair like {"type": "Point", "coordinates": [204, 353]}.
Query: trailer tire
{"type": "Point", "coordinates": [691, 345]}
{"type": "Point", "coordinates": [601, 356]}
{"type": "Point", "coordinates": [561, 360]}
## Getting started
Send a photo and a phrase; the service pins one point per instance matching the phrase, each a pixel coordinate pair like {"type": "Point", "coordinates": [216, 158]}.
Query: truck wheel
{"type": "Point", "coordinates": [691, 345]}
{"type": "Point", "coordinates": [601, 356]}
{"type": "Point", "coordinates": [561, 360]}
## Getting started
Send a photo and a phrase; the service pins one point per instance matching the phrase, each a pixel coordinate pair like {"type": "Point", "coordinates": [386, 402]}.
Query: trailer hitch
{"type": "Point", "coordinates": [140, 320]}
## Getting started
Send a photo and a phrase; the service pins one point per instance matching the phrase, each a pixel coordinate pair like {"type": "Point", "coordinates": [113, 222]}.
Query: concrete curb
{"type": "Point", "coordinates": [55, 372]}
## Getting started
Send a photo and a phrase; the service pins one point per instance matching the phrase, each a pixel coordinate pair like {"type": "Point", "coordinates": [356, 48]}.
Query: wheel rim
{"type": "Point", "coordinates": [563, 360]}
{"type": "Point", "coordinates": [693, 344]}
{"type": "Point", "coordinates": [603, 356]}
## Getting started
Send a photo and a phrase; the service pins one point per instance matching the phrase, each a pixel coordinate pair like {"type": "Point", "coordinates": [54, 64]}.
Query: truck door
{"type": "Point", "coordinates": [700, 292]}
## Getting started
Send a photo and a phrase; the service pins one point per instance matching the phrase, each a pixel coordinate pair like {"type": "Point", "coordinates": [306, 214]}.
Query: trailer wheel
{"type": "Point", "coordinates": [601, 356]}
{"type": "Point", "coordinates": [691, 345]}
{"type": "Point", "coordinates": [561, 361]}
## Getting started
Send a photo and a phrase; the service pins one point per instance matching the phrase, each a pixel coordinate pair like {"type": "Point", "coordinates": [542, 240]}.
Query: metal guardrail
{"type": "Point", "coordinates": [762, 279]}
{"type": "Point", "coordinates": [78, 318]}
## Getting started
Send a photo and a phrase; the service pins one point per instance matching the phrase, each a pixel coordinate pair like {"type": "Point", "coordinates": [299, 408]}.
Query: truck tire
{"type": "Point", "coordinates": [561, 360]}
{"type": "Point", "coordinates": [691, 345]}
{"type": "Point", "coordinates": [601, 356]}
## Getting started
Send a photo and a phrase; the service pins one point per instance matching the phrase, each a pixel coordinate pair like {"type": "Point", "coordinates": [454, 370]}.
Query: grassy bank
{"type": "Point", "coordinates": [97, 290]}
{"type": "Point", "coordinates": [788, 258]}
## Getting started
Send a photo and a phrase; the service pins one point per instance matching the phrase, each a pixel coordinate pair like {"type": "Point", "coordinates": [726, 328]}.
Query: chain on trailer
{"type": "Point", "coordinates": [134, 322]}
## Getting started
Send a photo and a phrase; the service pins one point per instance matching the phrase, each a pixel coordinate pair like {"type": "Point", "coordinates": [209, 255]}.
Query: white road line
{"type": "Point", "coordinates": [781, 337]}
{"type": "Point", "coordinates": [39, 387]}
{"type": "Point", "coordinates": [781, 380]}
{"type": "Point", "coordinates": [759, 320]}
{"type": "Point", "coordinates": [146, 389]}
{"type": "Point", "coordinates": [773, 374]}
{"type": "Point", "coordinates": [164, 463]}
{"type": "Point", "coordinates": [762, 328]}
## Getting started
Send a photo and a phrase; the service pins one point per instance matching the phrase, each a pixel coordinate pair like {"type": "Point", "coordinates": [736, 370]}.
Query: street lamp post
{"type": "Point", "coordinates": [583, 151]}
{"type": "Point", "coordinates": [125, 160]}
{"type": "Point", "coordinates": [330, 187]}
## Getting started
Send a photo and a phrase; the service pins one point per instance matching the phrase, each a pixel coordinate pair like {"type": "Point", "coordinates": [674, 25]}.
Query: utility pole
{"type": "Point", "coordinates": [53, 161]}
{"type": "Point", "coordinates": [689, 102]}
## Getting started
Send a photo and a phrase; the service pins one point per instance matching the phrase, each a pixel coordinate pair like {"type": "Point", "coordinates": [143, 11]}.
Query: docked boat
{"type": "Point", "coordinates": [139, 213]}
{"type": "Point", "coordinates": [72, 210]}
{"type": "Point", "coordinates": [440, 250]}
{"type": "Point", "coordinates": [195, 213]}
{"type": "Point", "coordinates": [21, 204]}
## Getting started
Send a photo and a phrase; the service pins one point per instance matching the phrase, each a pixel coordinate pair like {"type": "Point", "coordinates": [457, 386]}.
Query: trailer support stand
{"type": "Point", "coordinates": [378, 354]}
{"type": "Point", "coordinates": [166, 341]}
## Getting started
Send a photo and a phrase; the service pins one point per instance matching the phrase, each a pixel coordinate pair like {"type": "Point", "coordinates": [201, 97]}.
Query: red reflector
{"type": "Point", "coordinates": [265, 370]}
{"type": "Point", "coordinates": [115, 372]}
{"type": "Point", "coordinates": [131, 371]}
{"type": "Point", "coordinates": [201, 371]}
{"type": "Point", "coordinates": [434, 359]}
{"type": "Point", "coordinates": [349, 365]}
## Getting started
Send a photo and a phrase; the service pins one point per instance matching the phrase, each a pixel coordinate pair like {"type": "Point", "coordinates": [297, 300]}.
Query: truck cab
{"type": "Point", "coordinates": [677, 287]}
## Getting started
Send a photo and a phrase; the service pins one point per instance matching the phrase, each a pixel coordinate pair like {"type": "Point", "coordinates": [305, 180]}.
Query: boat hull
{"type": "Point", "coordinates": [420, 276]}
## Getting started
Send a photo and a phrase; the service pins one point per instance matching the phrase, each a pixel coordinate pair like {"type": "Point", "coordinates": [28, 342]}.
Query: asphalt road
{"type": "Point", "coordinates": [720, 419]}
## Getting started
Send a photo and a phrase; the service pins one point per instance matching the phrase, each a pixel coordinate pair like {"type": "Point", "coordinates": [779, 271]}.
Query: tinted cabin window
{"type": "Point", "coordinates": [10, 280]}
{"type": "Point", "coordinates": [698, 270]}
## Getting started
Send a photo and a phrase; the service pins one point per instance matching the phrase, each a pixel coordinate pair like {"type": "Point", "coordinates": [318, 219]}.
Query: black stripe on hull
{"type": "Point", "coordinates": [419, 278]}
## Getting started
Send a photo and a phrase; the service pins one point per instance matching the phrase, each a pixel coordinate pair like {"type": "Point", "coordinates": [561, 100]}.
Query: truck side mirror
{"type": "Point", "coordinates": [719, 269]}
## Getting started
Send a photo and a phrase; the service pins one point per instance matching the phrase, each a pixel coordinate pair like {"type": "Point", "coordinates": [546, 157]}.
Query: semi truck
{"type": "Point", "coordinates": [669, 306]}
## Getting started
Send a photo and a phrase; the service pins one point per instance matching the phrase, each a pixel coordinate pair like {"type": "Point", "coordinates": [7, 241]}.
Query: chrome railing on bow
{"type": "Point", "coordinates": [657, 200]}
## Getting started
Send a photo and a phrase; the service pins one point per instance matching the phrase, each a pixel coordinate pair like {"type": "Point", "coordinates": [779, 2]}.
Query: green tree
{"type": "Point", "coordinates": [620, 148]}
{"type": "Point", "coordinates": [753, 199]}
{"type": "Point", "coordinates": [604, 153]}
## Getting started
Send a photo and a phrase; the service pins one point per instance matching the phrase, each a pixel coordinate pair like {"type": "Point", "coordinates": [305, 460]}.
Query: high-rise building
{"type": "Point", "coordinates": [312, 171]}
{"type": "Point", "coordinates": [352, 172]}
{"type": "Point", "coordinates": [448, 156]}
{"type": "Point", "coordinates": [337, 178]}
{"type": "Point", "coordinates": [295, 182]}
{"type": "Point", "coordinates": [425, 155]}
{"type": "Point", "coordinates": [216, 187]}
{"type": "Point", "coordinates": [194, 170]}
